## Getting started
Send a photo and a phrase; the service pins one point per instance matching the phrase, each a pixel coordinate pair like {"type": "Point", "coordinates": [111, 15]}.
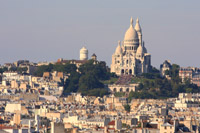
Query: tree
{"type": "Point", "coordinates": [3, 69]}
{"type": "Point", "coordinates": [87, 67]}
{"type": "Point", "coordinates": [140, 86]}
{"type": "Point", "coordinates": [89, 81]}
{"type": "Point", "coordinates": [44, 68]}
{"type": "Point", "coordinates": [98, 92]}
{"type": "Point", "coordinates": [13, 69]}
{"type": "Point", "coordinates": [98, 69]}
{"type": "Point", "coordinates": [58, 67]}
{"type": "Point", "coordinates": [127, 107]}
{"type": "Point", "coordinates": [119, 94]}
{"type": "Point", "coordinates": [189, 90]}
{"type": "Point", "coordinates": [69, 68]}
{"type": "Point", "coordinates": [22, 70]}
{"type": "Point", "coordinates": [71, 84]}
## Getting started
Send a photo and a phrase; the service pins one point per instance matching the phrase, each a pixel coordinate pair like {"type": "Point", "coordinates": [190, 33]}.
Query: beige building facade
{"type": "Point", "coordinates": [123, 88]}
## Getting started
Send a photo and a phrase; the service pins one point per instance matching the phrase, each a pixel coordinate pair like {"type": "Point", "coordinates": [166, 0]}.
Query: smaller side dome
{"type": "Point", "coordinates": [118, 49]}
{"type": "Point", "coordinates": [137, 26]}
{"type": "Point", "coordinates": [139, 50]}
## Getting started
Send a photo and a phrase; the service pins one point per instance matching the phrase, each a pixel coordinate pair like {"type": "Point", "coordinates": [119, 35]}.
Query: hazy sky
{"type": "Point", "coordinates": [45, 30]}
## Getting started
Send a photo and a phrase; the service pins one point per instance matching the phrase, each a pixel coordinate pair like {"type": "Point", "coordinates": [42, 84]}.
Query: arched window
{"type": "Point", "coordinates": [130, 71]}
{"type": "Point", "coordinates": [120, 90]}
{"type": "Point", "coordinates": [127, 89]}
{"type": "Point", "coordinates": [122, 71]}
{"type": "Point", "coordinates": [126, 61]}
{"type": "Point", "coordinates": [114, 89]}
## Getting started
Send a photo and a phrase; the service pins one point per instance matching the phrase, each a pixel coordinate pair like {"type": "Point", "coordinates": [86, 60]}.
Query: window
{"type": "Point", "coordinates": [122, 71]}
{"type": "Point", "coordinates": [130, 71]}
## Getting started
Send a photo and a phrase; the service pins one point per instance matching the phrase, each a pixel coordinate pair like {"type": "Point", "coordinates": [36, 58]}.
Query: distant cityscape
{"type": "Point", "coordinates": [85, 95]}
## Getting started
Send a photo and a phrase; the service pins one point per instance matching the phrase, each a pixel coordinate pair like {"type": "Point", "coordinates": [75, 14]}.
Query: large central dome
{"type": "Point", "coordinates": [131, 33]}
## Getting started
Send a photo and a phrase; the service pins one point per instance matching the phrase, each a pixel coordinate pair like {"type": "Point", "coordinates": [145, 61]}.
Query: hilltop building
{"type": "Point", "coordinates": [94, 57]}
{"type": "Point", "coordinates": [190, 73]}
{"type": "Point", "coordinates": [131, 57]}
{"type": "Point", "coordinates": [82, 60]}
{"type": "Point", "coordinates": [83, 54]}
{"type": "Point", "coordinates": [164, 67]}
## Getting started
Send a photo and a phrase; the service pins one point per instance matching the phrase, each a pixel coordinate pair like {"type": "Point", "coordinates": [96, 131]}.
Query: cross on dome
{"type": "Point", "coordinates": [137, 20]}
{"type": "Point", "coordinates": [131, 21]}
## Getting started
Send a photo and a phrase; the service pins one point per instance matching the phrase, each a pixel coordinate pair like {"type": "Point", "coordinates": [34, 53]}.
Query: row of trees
{"type": "Point", "coordinates": [19, 69]}
{"type": "Point", "coordinates": [66, 68]}
{"type": "Point", "coordinates": [15, 69]}
{"type": "Point", "coordinates": [3, 69]}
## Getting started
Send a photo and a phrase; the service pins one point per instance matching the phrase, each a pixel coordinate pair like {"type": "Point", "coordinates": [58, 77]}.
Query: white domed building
{"type": "Point", "coordinates": [83, 54]}
{"type": "Point", "coordinates": [131, 57]}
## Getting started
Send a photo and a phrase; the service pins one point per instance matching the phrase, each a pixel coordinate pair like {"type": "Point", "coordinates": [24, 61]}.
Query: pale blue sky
{"type": "Point", "coordinates": [45, 30]}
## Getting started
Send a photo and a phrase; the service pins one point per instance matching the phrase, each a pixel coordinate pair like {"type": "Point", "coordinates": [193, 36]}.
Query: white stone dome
{"type": "Point", "coordinates": [83, 49]}
{"type": "Point", "coordinates": [131, 33]}
{"type": "Point", "coordinates": [137, 26]}
{"type": "Point", "coordinates": [118, 49]}
{"type": "Point", "coordinates": [139, 50]}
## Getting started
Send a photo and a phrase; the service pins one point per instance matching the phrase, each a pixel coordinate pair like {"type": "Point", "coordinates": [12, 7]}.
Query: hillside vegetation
{"type": "Point", "coordinates": [88, 79]}
{"type": "Point", "coordinates": [91, 78]}
{"type": "Point", "coordinates": [151, 85]}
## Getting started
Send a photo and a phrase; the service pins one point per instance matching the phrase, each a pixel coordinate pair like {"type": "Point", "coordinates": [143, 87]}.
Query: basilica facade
{"type": "Point", "coordinates": [131, 56]}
